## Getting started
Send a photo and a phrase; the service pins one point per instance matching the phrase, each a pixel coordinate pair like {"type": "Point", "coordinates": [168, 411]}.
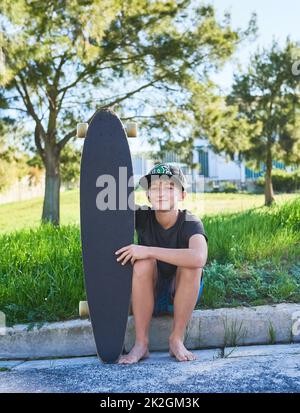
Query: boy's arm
{"type": "Point", "coordinates": [192, 257]}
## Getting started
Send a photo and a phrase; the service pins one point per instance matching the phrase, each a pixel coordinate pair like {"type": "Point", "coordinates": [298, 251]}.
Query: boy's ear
{"type": "Point", "coordinates": [183, 195]}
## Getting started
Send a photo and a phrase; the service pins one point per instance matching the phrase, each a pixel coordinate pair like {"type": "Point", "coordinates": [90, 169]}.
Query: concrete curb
{"type": "Point", "coordinates": [223, 327]}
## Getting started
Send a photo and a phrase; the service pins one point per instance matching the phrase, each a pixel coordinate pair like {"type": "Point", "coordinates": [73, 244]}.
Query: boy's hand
{"type": "Point", "coordinates": [132, 252]}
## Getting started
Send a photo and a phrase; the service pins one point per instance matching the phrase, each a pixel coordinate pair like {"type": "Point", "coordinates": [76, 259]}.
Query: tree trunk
{"type": "Point", "coordinates": [52, 187]}
{"type": "Point", "coordinates": [269, 194]}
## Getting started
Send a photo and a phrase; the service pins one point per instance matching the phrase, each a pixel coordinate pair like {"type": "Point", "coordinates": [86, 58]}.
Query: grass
{"type": "Point", "coordinates": [254, 258]}
{"type": "Point", "coordinates": [41, 274]}
{"type": "Point", "coordinates": [27, 214]}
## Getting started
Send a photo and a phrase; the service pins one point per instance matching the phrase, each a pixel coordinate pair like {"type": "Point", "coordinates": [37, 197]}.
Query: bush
{"type": "Point", "coordinates": [283, 181]}
{"type": "Point", "coordinates": [229, 187]}
{"type": "Point", "coordinates": [249, 284]}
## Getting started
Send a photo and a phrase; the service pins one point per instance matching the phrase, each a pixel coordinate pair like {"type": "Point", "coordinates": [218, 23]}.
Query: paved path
{"type": "Point", "coordinates": [273, 368]}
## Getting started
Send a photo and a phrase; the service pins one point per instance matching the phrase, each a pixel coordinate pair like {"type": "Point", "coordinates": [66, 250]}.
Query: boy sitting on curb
{"type": "Point", "coordinates": [168, 262]}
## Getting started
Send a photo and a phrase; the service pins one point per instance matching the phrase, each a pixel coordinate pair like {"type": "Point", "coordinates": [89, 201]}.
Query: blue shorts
{"type": "Point", "coordinates": [164, 295]}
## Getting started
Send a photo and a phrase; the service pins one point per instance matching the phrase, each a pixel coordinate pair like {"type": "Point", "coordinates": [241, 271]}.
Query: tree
{"type": "Point", "coordinates": [267, 94]}
{"type": "Point", "coordinates": [70, 164]}
{"type": "Point", "coordinates": [7, 173]}
{"type": "Point", "coordinates": [13, 165]}
{"type": "Point", "coordinates": [64, 59]}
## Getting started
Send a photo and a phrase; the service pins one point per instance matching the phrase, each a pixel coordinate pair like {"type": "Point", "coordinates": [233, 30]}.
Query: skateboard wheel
{"type": "Point", "coordinates": [83, 309]}
{"type": "Point", "coordinates": [131, 129]}
{"type": "Point", "coordinates": [82, 130]}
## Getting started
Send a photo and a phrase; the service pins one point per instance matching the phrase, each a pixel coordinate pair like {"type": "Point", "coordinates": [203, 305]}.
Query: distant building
{"type": "Point", "coordinates": [213, 169]}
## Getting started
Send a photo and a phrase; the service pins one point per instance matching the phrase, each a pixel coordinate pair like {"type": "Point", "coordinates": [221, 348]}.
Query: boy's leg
{"type": "Point", "coordinates": [187, 285]}
{"type": "Point", "coordinates": [143, 283]}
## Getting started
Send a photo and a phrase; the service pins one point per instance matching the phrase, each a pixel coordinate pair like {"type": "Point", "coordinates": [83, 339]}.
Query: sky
{"type": "Point", "coordinates": [275, 19]}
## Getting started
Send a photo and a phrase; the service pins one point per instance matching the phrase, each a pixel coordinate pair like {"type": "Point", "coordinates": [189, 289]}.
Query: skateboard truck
{"type": "Point", "coordinates": [130, 129]}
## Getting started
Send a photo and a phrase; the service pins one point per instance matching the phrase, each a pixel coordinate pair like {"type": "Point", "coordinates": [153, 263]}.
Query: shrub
{"type": "Point", "coordinates": [229, 187]}
{"type": "Point", "coordinates": [282, 181]}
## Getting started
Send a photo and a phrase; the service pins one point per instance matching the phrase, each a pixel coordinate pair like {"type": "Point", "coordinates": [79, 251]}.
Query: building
{"type": "Point", "coordinates": [214, 169]}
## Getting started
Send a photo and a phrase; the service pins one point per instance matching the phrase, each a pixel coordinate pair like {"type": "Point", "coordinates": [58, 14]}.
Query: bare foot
{"type": "Point", "coordinates": [178, 350]}
{"type": "Point", "coordinates": [138, 352]}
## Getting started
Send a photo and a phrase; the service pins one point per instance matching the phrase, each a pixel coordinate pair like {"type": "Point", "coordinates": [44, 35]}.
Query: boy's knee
{"type": "Point", "coordinates": [190, 272]}
{"type": "Point", "coordinates": [144, 266]}
{"type": "Point", "coordinates": [145, 263]}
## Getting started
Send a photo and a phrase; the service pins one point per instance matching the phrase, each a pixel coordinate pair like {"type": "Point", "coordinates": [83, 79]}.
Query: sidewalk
{"type": "Point", "coordinates": [268, 368]}
{"type": "Point", "coordinates": [222, 327]}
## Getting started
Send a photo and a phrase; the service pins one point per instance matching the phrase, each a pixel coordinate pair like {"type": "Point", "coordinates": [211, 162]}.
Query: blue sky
{"type": "Point", "coordinates": [275, 19]}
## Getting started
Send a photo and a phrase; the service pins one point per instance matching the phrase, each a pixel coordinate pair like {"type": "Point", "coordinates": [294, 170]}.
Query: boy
{"type": "Point", "coordinates": [167, 263]}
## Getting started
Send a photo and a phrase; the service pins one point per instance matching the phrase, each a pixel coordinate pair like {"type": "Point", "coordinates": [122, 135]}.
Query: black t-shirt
{"type": "Point", "coordinates": [152, 234]}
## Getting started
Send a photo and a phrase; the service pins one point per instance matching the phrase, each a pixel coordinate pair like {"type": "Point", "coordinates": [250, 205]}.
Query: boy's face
{"type": "Point", "coordinates": [164, 194]}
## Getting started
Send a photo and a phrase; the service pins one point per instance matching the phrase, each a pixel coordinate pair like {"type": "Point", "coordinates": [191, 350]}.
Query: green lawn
{"type": "Point", "coordinates": [27, 214]}
{"type": "Point", "coordinates": [254, 256]}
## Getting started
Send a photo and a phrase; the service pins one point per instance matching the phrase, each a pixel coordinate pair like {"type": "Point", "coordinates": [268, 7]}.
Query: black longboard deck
{"type": "Point", "coordinates": [108, 283]}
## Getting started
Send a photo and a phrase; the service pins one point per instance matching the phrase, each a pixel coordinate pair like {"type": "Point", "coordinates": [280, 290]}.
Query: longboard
{"type": "Point", "coordinates": [106, 225]}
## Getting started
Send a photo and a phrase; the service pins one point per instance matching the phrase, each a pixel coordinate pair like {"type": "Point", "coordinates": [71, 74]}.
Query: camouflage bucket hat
{"type": "Point", "coordinates": [174, 172]}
